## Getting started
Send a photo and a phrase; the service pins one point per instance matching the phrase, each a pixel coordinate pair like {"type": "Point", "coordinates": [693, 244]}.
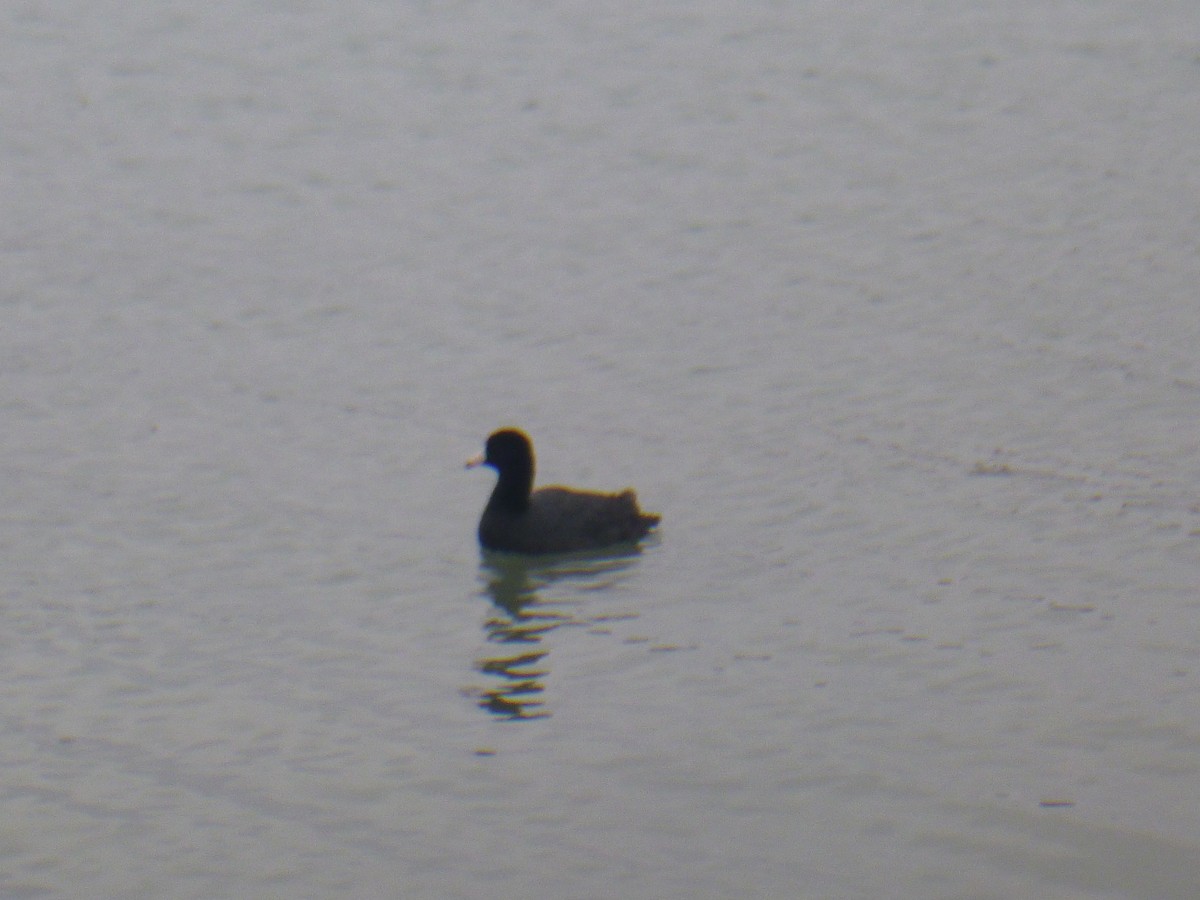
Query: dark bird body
{"type": "Point", "coordinates": [555, 519]}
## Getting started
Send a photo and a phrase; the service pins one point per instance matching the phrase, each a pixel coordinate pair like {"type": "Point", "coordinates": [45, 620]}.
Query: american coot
{"type": "Point", "coordinates": [550, 519]}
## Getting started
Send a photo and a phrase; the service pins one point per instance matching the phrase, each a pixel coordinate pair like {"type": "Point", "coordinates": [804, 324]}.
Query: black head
{"type": "Point", "coordinates": [510, 453]}
{"type": "Point", "coordinates": [509, 450]}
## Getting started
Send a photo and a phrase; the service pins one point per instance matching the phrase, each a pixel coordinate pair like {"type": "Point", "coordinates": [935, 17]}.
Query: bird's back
{"type": "Point", "coordinates": [563, 520]}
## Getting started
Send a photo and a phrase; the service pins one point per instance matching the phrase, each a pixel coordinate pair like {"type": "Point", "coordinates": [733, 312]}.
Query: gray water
{"type": "Point", "coordinates": [889, 308]}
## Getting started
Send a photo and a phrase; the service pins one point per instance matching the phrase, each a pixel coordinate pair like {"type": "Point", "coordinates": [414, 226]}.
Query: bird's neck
{"type": "Point", "coordinates": [512, 490]}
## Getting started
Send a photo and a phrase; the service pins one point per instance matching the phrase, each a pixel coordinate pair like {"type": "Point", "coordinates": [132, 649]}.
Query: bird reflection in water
{"type": "Point", "coordinates": [522, 617]}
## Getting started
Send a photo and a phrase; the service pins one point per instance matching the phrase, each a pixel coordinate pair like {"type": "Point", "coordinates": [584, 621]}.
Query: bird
{"type": "Point", "coordinates": [554, 519]}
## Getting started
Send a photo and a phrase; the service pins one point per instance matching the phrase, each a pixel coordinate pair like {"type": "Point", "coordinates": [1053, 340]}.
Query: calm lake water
{"type": "Point", "coordinates": [889, 308]}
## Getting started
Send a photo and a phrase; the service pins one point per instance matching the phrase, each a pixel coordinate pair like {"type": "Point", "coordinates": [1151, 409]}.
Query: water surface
{"type": "Point", "coordinates": [888, 309]}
